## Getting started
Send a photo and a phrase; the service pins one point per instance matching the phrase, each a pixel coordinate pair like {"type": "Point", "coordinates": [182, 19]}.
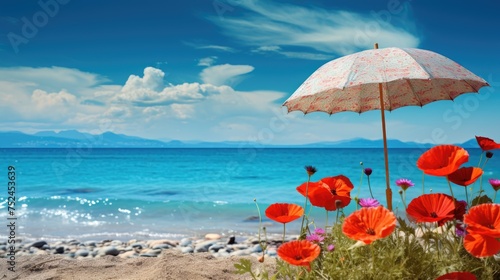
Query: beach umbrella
{"type": "Point", "coordinates": [383, 79]}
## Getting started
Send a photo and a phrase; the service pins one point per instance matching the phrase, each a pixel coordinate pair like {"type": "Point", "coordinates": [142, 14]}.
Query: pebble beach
{"type": "Point", "coordinates": [212, 243]}
{"type": "Point", "coordinates": [41, 259]}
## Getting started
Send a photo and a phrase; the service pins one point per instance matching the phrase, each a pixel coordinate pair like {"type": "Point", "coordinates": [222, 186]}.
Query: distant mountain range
{"type": "Point", "coordinates": [74, 138]}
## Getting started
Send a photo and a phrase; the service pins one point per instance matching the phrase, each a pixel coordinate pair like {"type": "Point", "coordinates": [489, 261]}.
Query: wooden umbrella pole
{"type": "Point", "coordinates": [388, 191]}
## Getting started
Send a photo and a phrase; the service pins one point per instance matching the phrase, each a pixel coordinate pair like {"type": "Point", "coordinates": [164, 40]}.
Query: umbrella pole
{"type": "Point", "coordinates": [388, 191]}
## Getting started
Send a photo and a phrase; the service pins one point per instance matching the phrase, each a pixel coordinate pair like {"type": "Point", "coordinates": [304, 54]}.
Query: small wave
{"type": "Point", "coordinates": [169, 193]}
{"type": "Point", "coordinates": [247, 177]}
{"type": "Point", "coordinates": [79, 190]}
{"type": "Point", "coordinates": [126, 211]}
{"type": "Point", "coordinates": [220, 202]}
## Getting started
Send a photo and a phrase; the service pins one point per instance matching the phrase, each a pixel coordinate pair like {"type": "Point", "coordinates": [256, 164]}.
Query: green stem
{"type": "Point", "coordinates": [485, 163]}
{"type": "Point", "coordinates": [403, 198]}
{"type": "Point", "coordinates": [480, 180]}
{"type": "Point", "coordinates": [495, 196]}
{"type": "Point", "coordinates": [263, 245]}
{"type": "Point", "coordinates": [284, 230]}
{"type": "Point", "coordinates": [481, 184]}
{"type": "Point", "coordinates": [466, 196]}
{"type": "Point", "coordinates": [451, 190]}
{"type": "Point", "coordinates": [360, 181]}
{"type": "Point", "coordinates": [326, 224]}
{"type": "Point", "coordinates": [260, 217]}
{"type": "Point", "coordinates": [423, 188]}
{"type": "Point", "coordinates": [302, 231]}
{"type": "Point", "coordinates": [369, 186]}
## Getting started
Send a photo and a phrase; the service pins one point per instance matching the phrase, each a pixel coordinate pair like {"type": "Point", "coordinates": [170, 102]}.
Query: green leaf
{"type": "Point", "coordinates": [404, 226]}
{"type": "Point", "coordinates": [245, 266]}
{"type": "Point", "coordinates": [481, 200]}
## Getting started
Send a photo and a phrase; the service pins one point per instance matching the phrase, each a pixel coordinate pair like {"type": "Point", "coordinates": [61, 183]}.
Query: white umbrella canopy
{"type": "Point", "coordinates": [383, 79]}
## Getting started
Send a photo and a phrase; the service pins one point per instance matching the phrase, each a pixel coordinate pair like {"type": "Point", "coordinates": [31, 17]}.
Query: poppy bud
{"type": "Point", "coordinates": [310, 170]}
{"type": "Point", "coordinates": [368, 171]}
{"type": "Point", "coordinates": [338, 204]}
{"type": "Point", "coordinates": [261, 258]}
{"type": "Point", "coordinates": [489, 154]}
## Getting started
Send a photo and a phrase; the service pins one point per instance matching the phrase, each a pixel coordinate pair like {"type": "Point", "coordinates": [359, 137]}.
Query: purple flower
{"type": "Point", "coordinates": [330, 247]}
{"type": "Point", "coordinates": [319, 231]}
{"type": "Point", "coordinates": [368, 202]}
{"type": "Point", "coordinates": [495, 183]}
{"type": "Point", "coordinates": [404, 183]}
{"type": "Point", "coordinates": [368, 171]}
{"type": "Point", "coordinates": [315, 238]}
{"type": "Point", "coordinates": [460, 230]}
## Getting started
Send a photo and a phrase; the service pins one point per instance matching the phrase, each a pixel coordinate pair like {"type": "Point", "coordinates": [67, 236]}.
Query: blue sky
{"type": "Point", "coordinates": [218, 70]}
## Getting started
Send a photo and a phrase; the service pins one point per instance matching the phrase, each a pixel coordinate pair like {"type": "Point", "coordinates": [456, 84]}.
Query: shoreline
{"type": "Point", "coordinates": [216, 244]}
{"type": "Point", "coordinates": [177, 259]}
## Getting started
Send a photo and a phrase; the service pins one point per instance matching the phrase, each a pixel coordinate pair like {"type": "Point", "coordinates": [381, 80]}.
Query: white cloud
{"type": "Point", "coordinates": [148, 106]}
{"type": "Point", "coordinates": [60, 100]}
{"type": "Point", "coordinates": [268, 49]}
{"type": "Point", "coordinates": [217, 47]}
{"type": "Point", "coordinates": [207, 61]}
{"type": "Point", "coordinates": [183, 111]}
{"type": "Point", "coordinates": [301, 55]}
{"type": "Point", "coordinates": [211, 47]}
{"type": "Point", "coordinates": [152, 80]}
{"type": "Point", "coordinates": [326, 31]}
{"type": "Point", "coordinates": [51, 78]}
{"type": "Point", "coordinates": [224, 74]}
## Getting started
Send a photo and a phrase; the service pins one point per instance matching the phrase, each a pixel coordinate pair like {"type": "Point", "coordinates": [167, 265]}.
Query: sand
{"type": "Point", "coordinates": [170, 264]}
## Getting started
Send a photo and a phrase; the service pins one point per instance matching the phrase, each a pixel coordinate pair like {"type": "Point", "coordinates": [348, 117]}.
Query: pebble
{"type": "Point", "coordinates": [81, 253]}
{"type": "Point", "coordinates": [109, 250]}
{"type": "Point", "coordinates": [212, 236]}
{"type": "Point", "coordinates": [162, 246]}
{"type": "Point", "coordinates": [204, 245]}
{"type": "Point", "coordinates": [215, 244]}
{"type": "Point", "coordinates": [256, 249]}
{"type": "Point", "coordinates": [187, 250]}
{"type": "Point", "coordinates": [139, 245]}
{"type": "Point", "coordinates": [59, 250]}
{"type": "Point", "coordinates": [39, 244]}
{"type": "Point", "coordinates": [129, 254]}
{"type": "Point", "coordinates": [185, 242]}
{"type": "Point", "coordinates": [90, 243]}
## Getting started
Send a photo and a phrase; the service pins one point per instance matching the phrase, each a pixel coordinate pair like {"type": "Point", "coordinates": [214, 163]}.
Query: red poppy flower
{"type": "Point", "coordinates": [457, 276]}
{"type": "Point", "coordinates": [487, 144]}
{"type": "Point", "coordinates": [442, 160]}
{"type": "Point", "coordinates": [484, 219]}
{"type": "Point", "coordinates": [299, 252]}
{"type": "Point", "coordinates": [316, 201]}
{"type": "Point", "coordinates": [435, 207]}
{"type": "Point", "coordinates": [465, 176]}
{"type": "Point", "coordinates": [483, 228]}
{"type": "Point", "coordinates": [327, 191]}
{"type": "Point", "coordinates": [369, 224]}
{"type": "Point", "coordinates": [284, 212]}
{"type": "Point", "coordinates": [336, 192]}
{"type": "Point", "coordinates": [460, 209]}
{"type": "Point", "coordinates": [480, 245]}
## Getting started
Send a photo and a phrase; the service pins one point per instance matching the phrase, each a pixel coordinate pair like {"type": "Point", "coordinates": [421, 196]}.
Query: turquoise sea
{"type": "Point", "coordinates": [171, 193]}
